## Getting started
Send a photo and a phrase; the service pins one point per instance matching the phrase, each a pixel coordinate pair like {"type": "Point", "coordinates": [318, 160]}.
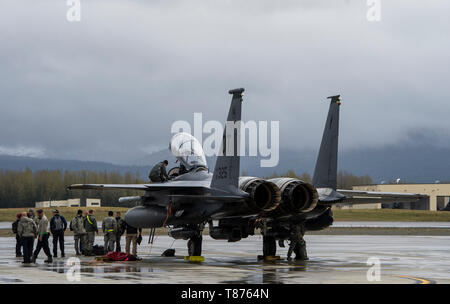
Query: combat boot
{"type": "Point", "coordinates": [302, 255]}
{"type": "Point", "coordinates": [49, 259]}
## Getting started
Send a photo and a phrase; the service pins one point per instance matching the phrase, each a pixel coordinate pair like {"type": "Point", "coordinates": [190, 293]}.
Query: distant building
{"type": "Point", "coordinates": [438, 195]}
{"type": "Point", "coordinates": [73, 202]}
{"type": "Point", "coordinates": [93, 202]}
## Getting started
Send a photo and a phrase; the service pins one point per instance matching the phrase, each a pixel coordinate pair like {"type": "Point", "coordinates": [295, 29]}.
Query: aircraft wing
{"type": "Point", "coordinates": [143, 187]}
{"type": "Point", "coordinates": [371, 197]}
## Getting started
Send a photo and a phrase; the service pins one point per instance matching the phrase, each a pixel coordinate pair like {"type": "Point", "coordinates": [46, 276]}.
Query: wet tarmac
{"type": "Point", "coordinates": [333, 259]}
{"type": "Point", "coordinates": [346, 224]}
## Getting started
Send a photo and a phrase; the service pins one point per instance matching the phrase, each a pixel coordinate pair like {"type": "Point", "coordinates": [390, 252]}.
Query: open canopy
{"type": "Point", "coordinates": [188, 150]}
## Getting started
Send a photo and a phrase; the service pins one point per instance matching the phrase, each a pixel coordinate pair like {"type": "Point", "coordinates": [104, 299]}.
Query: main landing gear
{"type": "Point", "coordinates": [195, 245]}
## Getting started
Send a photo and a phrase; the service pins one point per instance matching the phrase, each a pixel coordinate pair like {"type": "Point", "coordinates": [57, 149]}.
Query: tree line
{"type": "Point", "coordinates": [25, 188]}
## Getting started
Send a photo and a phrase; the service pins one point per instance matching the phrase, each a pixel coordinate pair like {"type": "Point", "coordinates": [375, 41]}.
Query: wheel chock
{"type": "Point", "coordinates": [269, 258]}
{"type": "Point", "coordinates": [194, 258]}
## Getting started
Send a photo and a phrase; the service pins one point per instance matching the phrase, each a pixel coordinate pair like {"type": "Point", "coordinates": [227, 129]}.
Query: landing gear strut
{"type": "Point", "coordinates": [269, 246]}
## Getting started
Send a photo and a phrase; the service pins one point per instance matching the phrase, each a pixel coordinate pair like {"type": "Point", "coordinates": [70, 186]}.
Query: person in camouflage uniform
{"type": "Point", "coordinates": [158, 173]}
{"type": "Point", "coordinates": [109, 227]}
{"type": "Point", "coordinates": [27, 231]}
{"type": "Point", "coordinates": [120, 230]}
{"type": "Point", "coordinates": [43, 235]}
{"type": "Point", "coordinates": [79, 232]}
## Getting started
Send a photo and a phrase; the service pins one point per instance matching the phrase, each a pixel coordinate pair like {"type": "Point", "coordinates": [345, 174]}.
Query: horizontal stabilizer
{"type": "Point", "coordinates": [372, 197]}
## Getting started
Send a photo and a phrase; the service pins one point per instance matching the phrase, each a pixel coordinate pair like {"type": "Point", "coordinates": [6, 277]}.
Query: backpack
{"type": "Point", "coordinates": [14, 226]}
{"type": "Point", "coordinates": [58, 223]}
{"type": "Point", "coordinates": [98, 250]}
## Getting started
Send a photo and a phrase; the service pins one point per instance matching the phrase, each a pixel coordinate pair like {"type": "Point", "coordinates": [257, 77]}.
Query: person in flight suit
{"type": "Point", "coordinates": [109, 227]}
{"type": "Point", "coordinates": [90, 224]}
{"type": "Point", "coordinates": [297, 244]}
{"type": "Point", "coordinates": [158, 173]}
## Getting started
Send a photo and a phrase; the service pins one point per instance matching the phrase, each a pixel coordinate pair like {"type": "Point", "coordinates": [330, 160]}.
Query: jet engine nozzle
{"type": "Point", "coordinates": [264, 195]}
{"type": "Point", "coordinates": [296, 196]}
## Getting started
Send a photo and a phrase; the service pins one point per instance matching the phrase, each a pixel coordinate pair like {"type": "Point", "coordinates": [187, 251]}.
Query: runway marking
{"type": "Point", "coordinates": [418, 280]}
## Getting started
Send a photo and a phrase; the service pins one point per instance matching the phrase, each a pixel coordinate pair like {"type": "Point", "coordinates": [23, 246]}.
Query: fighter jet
{"type": "Point", "coordinates": [235, 206]}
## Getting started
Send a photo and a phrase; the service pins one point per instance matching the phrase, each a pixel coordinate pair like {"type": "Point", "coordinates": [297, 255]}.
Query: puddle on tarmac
{"type": "Point", "coordinates": [100, 268]}
{"type": "Point", "coordinates": [10, 280]}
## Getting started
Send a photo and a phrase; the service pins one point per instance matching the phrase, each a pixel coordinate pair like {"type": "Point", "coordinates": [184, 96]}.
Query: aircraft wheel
{"type": "Point", "coordinates": [269, 246]}
{"type": "Point", "coordinates": [195, 246]}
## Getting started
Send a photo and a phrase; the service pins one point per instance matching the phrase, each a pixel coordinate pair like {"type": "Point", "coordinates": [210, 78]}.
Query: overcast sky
{"type": "Point", "coordinates": [109, 87]}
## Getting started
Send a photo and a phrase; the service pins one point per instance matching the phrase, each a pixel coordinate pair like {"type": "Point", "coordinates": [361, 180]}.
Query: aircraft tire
{"type": "Point", "coordinates": [195, 246]}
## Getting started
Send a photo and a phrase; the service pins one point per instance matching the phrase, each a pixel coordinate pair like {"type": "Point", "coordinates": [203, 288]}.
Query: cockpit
{"type": "Point", "coordinates": [189, 153]}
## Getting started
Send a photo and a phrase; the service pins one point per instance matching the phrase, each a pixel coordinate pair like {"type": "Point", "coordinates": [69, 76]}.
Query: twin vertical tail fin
{"type": "Point", "coordinates": [226, 171]}
{"type": "Point", "coordinates": [325, 173]}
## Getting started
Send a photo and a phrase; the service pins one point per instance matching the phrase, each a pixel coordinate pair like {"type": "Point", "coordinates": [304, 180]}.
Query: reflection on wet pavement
{"type": "Point", "coordinates": [333, 259]}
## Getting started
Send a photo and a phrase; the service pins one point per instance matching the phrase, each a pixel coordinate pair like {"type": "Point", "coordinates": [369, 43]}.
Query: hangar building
{"type": "Point", "coordinates": [438, 195]}
{"type": "Point", "coordinates": [74, 202]}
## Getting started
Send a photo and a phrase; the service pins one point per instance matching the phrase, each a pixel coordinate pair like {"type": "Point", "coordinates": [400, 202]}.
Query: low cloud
{"type": "Point", "coordinates": [109, 87]}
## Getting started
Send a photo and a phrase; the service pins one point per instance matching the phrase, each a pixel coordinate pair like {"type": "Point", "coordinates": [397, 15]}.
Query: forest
{"type": "Point", "coordinates": [25, 188]}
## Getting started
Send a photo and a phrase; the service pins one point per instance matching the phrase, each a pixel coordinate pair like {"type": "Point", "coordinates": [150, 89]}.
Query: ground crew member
{"type": "Point", "coordinates": [32, 216]}
{"type": "Point", "coordinates": [90, 224]}
{"type": "Point", "coordinates": [27, 231]}
{"type": "Point", "coordinates": [79, 232]}
{"type": "Point", "coordinates": [132, 237]}
{"type": "Point", "coordinates": [109, 227]}
{"type": "Point", "coordinates": [58, 226]}
{"type": "Point", "coordinates": [297, 244]}
{"type": "Point", "coordinates": [120, 230]}
{"type": "Point", "coordinates": [43, 235]}
{"type": "Point", "coordinates": [158, 173]}
{"type": "Point", "coordinates": [15, 224]}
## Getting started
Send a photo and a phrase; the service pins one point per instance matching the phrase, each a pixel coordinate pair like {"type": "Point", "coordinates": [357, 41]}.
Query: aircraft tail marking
{"type": "Point", "coordinates": [325, 173]}
{"type": "Point", "coordinates": [226, 171]}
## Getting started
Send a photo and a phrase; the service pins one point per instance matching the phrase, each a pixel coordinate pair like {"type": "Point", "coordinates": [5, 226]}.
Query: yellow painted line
{"type": "Point", "coordinates": [419, 280]}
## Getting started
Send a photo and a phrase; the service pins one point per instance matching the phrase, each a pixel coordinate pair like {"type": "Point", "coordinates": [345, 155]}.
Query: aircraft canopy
{"type": "Point", "coordinates": [188, 150]}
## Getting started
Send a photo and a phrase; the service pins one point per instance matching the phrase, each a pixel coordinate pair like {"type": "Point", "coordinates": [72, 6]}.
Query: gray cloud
{"type": "Point", "coordinates": [109, 87]}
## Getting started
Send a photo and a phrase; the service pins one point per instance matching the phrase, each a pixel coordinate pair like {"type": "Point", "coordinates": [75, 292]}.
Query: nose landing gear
{"type": "Point", "coordinates": [195, 245]}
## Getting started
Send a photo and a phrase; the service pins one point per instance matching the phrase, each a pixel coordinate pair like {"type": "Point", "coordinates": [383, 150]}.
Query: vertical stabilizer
{"type": "Point", "coordinates": [226, 171]}
{"type": "Point", "coordinates": [325, 173]}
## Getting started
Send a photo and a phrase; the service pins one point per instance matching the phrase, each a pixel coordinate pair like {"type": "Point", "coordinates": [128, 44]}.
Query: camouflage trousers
{"type": "Point", "coordinates": [110, 239]}
{"type": "Point", "coordinates": [80, 242]}
{"type": "Point", "coordinates": [90, 239]}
